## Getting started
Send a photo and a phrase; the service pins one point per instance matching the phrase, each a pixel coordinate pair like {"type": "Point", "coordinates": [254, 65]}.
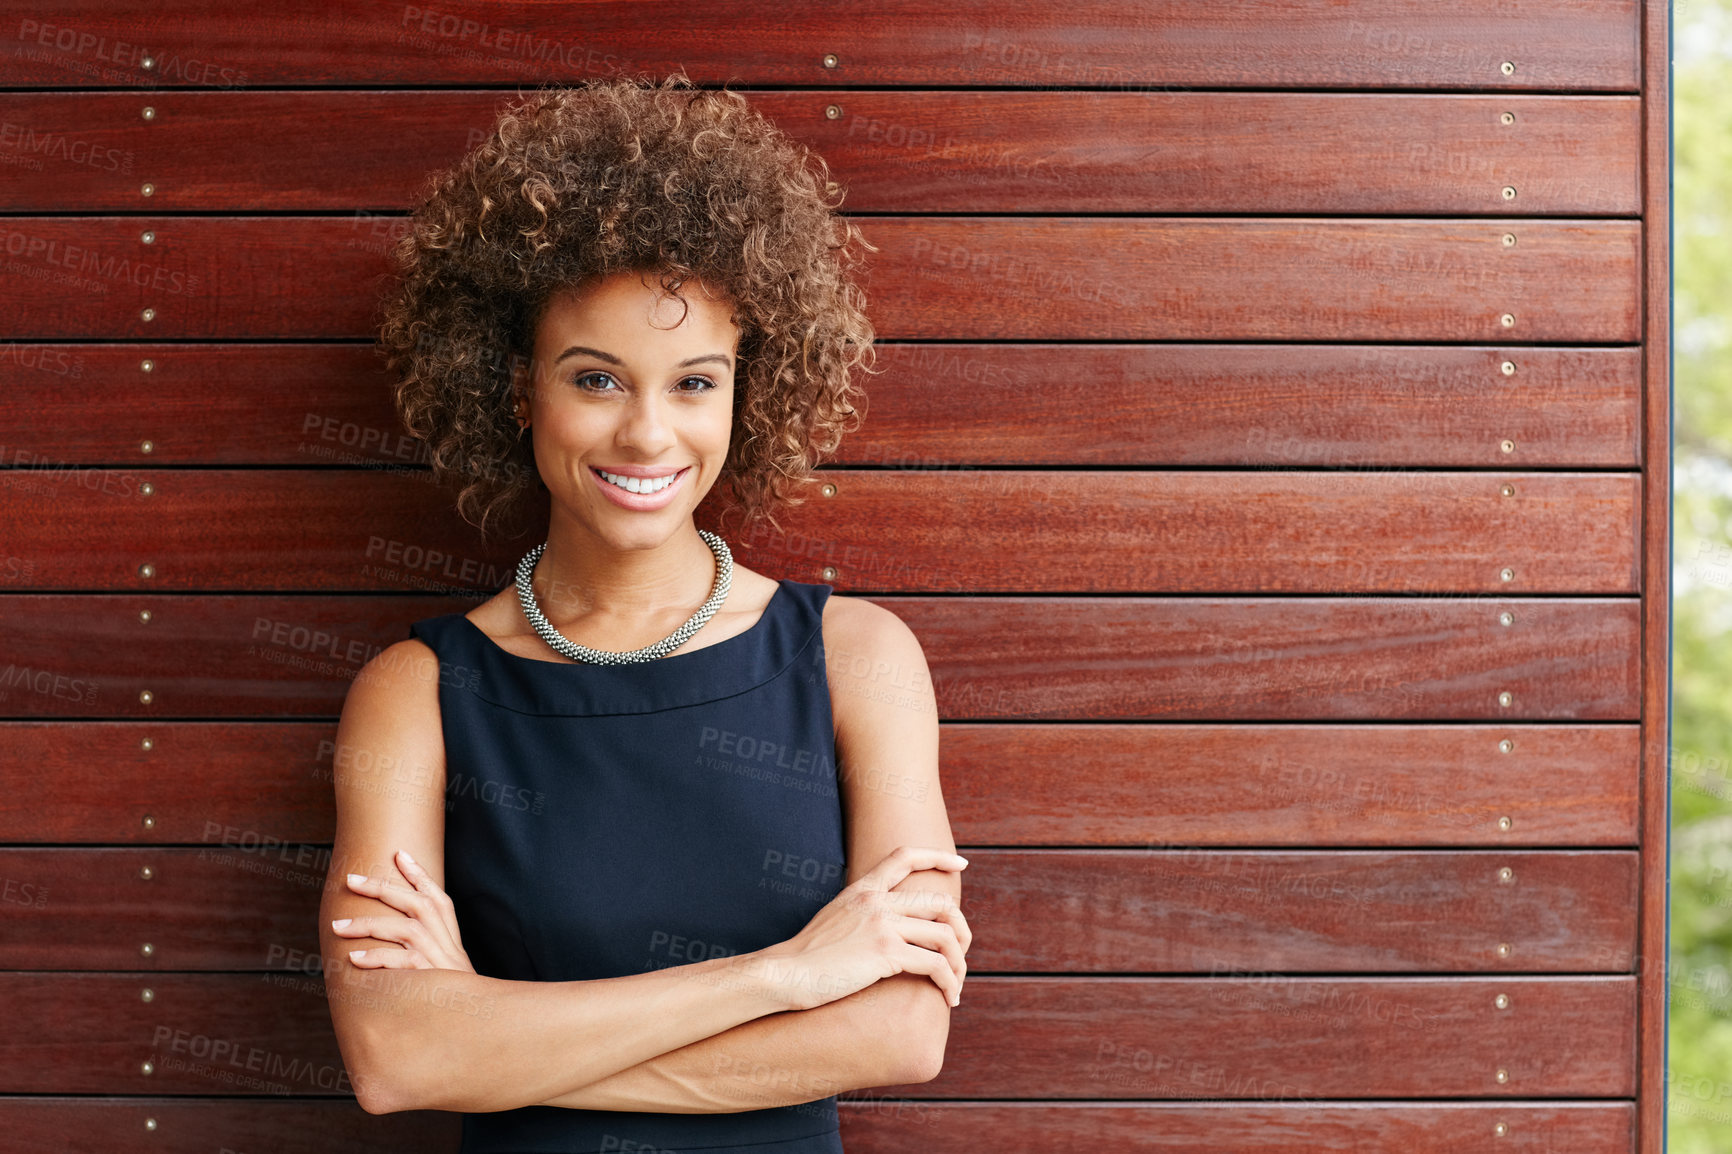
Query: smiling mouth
{"type": "Point", "coordinates": [642, 485]}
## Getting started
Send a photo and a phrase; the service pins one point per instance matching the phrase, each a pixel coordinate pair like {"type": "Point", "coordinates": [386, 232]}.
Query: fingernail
{"type": "Point", "coordinates": [961, 859]}
{"type": "Point", "coordinates": [355, 955]}
{"type": "Point", "coordinates": [406, 856]}
{"type": "Point", "coordinates": [340, 923]}
{"type": "Point", "coordinates": [356, 878]}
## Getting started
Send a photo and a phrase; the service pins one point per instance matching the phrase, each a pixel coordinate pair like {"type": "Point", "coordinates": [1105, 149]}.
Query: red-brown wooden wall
{"type": "Point", "coordinates": [1273, 459]}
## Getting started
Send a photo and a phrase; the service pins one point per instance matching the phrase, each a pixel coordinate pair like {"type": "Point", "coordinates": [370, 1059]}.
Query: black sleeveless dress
{"type": "Point", "coordinates": [604, 820]}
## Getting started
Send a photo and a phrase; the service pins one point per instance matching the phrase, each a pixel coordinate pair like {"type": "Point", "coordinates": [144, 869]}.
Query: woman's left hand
{"type": "Point", "coordinates": [428, 934]}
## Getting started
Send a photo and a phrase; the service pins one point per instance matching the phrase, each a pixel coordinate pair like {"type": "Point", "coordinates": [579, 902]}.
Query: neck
{"type": "Point", "coordinates": [581, 575]}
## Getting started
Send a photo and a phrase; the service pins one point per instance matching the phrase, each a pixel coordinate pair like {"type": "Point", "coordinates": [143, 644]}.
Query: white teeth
{"type": "Point", "coordinates": [639, 484]}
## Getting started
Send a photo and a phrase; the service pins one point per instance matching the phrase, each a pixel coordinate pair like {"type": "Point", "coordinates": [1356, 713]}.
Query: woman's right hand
{"type": "Point", "coordinates": [867, 932]}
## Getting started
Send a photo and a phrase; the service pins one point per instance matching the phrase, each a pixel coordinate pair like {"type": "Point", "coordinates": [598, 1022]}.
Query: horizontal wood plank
{"type": "Point", "coordinates": [930, 404]}
{"type": "Point", "coordinates": [922, 531]}
{"type": "Point", "coordinates": [186, 1125]}
{"type": "Point", "coordinates": [1555, 44]}
{"type": "Point", "coordinates": [1252, 1037]}
{"type": "Point", "coordinates": [1179, 785]}
{"type": "Point", "coordinates": [246, 899]}
{"type": "Point", "coordinates": [979, 151]}
{"type": "Point", "coordinates": [995, 278]}
{"type": "Point", "coordinates": [1403, 531]}
{"type": "Point", "coordinates": [1034, 658]}
{"type": "Point", "coordinates": [1005, 784]}
{"type": "Point", "coordinates": [876, 1125]}
{"type": "Point", "coordinates": [870, 1125]}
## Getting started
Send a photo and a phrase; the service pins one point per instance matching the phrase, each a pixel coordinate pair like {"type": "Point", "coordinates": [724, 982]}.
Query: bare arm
{"type": "Point", "coordinates": [887, 740]}
{"type": "Point", "coordinates": [455, 1040]}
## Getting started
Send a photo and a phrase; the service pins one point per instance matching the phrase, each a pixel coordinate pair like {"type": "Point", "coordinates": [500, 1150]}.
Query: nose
{"type": "Point", "coordinates": [648, 425]}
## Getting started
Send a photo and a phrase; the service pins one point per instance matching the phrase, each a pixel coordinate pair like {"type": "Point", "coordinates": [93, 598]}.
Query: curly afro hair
{"type": "Point", "coordinates": [625, 174]}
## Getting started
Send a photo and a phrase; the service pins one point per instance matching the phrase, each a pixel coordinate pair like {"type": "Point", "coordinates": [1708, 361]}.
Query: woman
{"type": "Point", "coordinates": [648, 849]}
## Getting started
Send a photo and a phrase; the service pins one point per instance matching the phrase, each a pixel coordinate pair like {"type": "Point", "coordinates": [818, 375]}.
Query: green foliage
{"type": "Point", "coordinates": [1700, 1087]}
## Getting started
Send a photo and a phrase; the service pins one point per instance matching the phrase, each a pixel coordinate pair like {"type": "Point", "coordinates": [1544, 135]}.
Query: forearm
{"type": "Point", "coordinates": [783, 1059]}
{"type": "Point", "coordinates": [455, 1040]}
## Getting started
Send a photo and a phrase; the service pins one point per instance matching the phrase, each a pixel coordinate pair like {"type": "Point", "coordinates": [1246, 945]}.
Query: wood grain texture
{"type": "Point", "coordinates": [949, 531]}
{"type": "Point", "coordinates": [1552, 44]}
{"type": "Point", "coordinates": [870, 1125]}
{"type": "Point", "coordinates": [1168, 786]}
{"type": "Point", "coordinates": [246, 899]}
{"type": "Point", "coordinates": [930, 404]}
{"type": "Point", "coordinates": [184, 1125]}
{"type": "Point", "coordinates": [1029, 658]}
{"type": "Point", "coordinates": [945, 277]}
{"type": "Point", "coordinates": [1259, 1036]}
{"type": "Point", "coordinates": [894, 151]}
{"type": "Point", "coordinates": [1657, 434]}
{"type": "Point", "coordinates": [875, 1125]}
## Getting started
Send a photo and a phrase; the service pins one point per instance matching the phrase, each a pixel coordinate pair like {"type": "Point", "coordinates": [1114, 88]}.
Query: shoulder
{"type": "Point", "coordinates": [403, 675]}
{"type": "Point", "coordinates": [871, 654]}
{"type": "Point", "coordinates": [864, 625]}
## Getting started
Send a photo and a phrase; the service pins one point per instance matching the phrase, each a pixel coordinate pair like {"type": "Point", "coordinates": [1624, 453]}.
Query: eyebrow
{"type": "Point", "coordinates": [609, 358]}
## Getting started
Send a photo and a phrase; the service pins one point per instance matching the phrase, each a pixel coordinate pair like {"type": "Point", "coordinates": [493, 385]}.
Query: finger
{"type": "Point", "coordinates": [915, 960]}
{"type": "Point", "coordinates": [384, 958]}
{"type": "Point", "coordinates": [906, 859]}
{"type": "Point", "coordinates": [387, 928]}
{"type": "Point", "coordinates": [936, 936]}
{"type": "Point", "coordinates": [421, 879]}
{"type": "Point", "coordinates": [398, 897]}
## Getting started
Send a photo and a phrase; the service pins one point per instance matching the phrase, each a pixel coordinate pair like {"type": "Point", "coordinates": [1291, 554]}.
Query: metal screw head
{"type": "Point", "coordinates": [1508, 118]}
{"type": "Point", "coordinates": [146, 489]}
{"type": "Point", "coordinates": [1504, 824]}
{"type": "Point", "coordinates": [1509, 192]}
{"type": "Point", "coordinates": [1508, 67]}
{"type": "Point", "coordinates": [828, 573]}
{"type": "Point", "coordinates": [148, 314]}
{"type": "Point", "coordinates": [1509, 239]}
{"type": "Point", "coordinates": [146, 872]}
{"type": "Point", "coordinates": [1505, 875]}
{"type": "Point", "coordinates": [146, 447]}
{"type": "Point", "coordinates": [147, 994]}
{"type": "Point", "coordinates": [1502, 1075]}
{"type": "Point", "coordinates": [1501, 1001]}
{"type": "Point", "coordinates": [828, 490]}
{"type": "Point", "coordinates": [1505, 618]}
{"type": "Point", "coordinates": [1506, 446]}
{"type": "Point", "coordinates": [1505, 698]}
{"type": "Point", "coordinates": [150, 1123]}
{"type": "Point", "coordinates": [1507, 368]}
{"type": "Point", "coordinates": [829, 60]}
{"type": "Point", "coordinates": [146, 366]}
{"type": "Point", "coordinates": [148, 821]}
{"type": "Point", "coordinates": [1501, 1129]}
{"type": "Point", "coordinates": [1505, 746]}
{"type": "Point", "coordinates": [147, 570]}
{"type": "Point", "coordinates": [1503, 949]}
{"type": "Point", "coordinates": [147, 1069]}
{"type": "Point", "coordinates": [1507, 320]}
{"type": "Point", "coordinates": [144, 619]}
{"type": "Point", "coordinates": [147, 949]}
{"type": "Point", "coordinates": [147, 63]}
{"type": "Point", "coordinates": [145, 696]}
{"type": "Point", "coordinates": [832, 112]}
{"type": "Point", "coordinates": [148, 190]}
{"type": "Point", "coordinates": [147, 744]}
{"type": "Point", "coordinates": [1508, 490]}
{"type": "Point", "coordinates": [148, 236]}
{"type": "Point", "coordinates": [1506, 575]}
{"type": "Point", "coordinates": [148, 113]}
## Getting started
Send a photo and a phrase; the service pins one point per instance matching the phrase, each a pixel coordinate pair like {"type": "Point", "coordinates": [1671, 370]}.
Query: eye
{"type": "Point", "coordinates": [705, 383]}
{"type": "Point", "coordinates": [582, 377]}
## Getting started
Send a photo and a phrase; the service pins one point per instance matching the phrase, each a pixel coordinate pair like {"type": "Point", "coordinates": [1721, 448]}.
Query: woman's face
{"type": "Point", "coordinates": [628, 395]}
